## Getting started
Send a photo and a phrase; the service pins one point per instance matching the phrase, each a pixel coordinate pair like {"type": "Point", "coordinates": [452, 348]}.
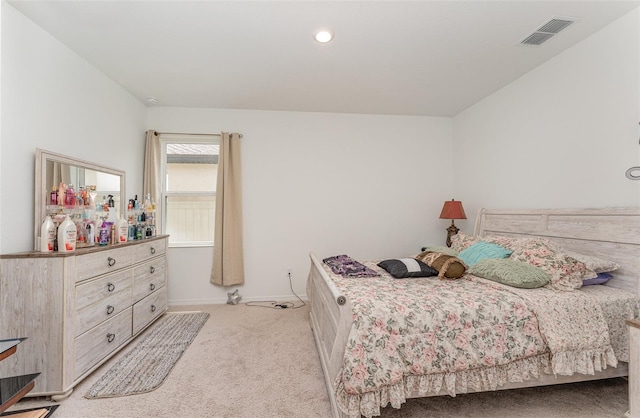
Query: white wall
{"type": "Point", "coordinates": [313, 182]}
{"type": "Point", "coordinates": [55, 100]}
{"type": "Point", "coordinates": [562, 135]}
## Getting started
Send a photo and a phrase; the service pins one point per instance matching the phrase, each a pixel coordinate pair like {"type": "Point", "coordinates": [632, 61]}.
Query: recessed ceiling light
{"type": "Point", "coordinates": [324, 36]}
{"type": "Point", "coordinates": [152, 100]}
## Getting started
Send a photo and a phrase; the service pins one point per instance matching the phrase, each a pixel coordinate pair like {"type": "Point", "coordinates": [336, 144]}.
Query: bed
{"type": "Point", "coordinates": [608, 233]}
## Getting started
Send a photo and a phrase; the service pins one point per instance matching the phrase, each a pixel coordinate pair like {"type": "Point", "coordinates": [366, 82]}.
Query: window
{"type": "Point", "coordinates": [190, 169]}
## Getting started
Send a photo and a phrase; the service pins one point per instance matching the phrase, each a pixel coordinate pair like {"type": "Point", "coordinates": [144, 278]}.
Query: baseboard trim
{"type": "Point", "coordinates": [222, 301]}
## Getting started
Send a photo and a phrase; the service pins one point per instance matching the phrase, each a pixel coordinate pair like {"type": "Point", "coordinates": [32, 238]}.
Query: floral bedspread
{"type": "Point", "coordinates": [422, 335]}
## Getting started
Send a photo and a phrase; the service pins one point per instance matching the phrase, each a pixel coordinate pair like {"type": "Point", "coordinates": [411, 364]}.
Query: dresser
{"type": "Point", "coordinates": [79, 308]}
{"type": "Point", "coordinates": [634, 368]}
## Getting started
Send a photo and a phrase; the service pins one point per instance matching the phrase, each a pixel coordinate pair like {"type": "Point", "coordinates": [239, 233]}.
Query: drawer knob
{"type": "Point", "coordinates": [153, 250]}
{"type": "Point", "coordinates": [153, 308]}
{"type": "Point", "coordinates": [111, 287]}
{"type": "Point", "coordinates": [110, 309]}
{"type": "Point", "coordinates": [152, 287]}
{"type": "Point", "coordinates": [152, 269]}
{"type": "Point", "coordinates": [111, 261]}
{"type": "Point", "coordinates": [111, 337]}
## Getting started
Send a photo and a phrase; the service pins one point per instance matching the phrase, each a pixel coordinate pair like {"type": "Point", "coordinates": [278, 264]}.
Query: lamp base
{"type": "Point", "coordinates": [451, 231]}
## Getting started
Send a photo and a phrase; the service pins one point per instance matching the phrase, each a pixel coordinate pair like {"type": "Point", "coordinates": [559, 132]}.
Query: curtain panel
{"type": "Point", "coordinates": [228, 257]}
{"type": "Point", "coordinates": [152, 177]}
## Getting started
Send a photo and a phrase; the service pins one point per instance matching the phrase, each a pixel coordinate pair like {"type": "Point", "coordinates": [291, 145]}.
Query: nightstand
{"type": "Point", "coordinates": [12, 389]}
{"type": "Point", "coordinates": [634, 368]}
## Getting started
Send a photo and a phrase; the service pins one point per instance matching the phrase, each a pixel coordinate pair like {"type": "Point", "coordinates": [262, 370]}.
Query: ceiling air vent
{"type": "Point", "coordinates": [547, 31]}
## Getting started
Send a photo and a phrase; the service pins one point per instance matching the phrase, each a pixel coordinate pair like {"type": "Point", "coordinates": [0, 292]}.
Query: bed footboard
{"type": "Point", "coordinates": [331, 320]}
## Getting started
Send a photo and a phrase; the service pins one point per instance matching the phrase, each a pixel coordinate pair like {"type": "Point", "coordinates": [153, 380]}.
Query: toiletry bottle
{"type": "Point", "coordinates": [67, 235]}
{"type": "Point", "coordinates": [103, 234]}
{"type": "Point", "coordinates": [92, 195]}
{"type": "Point", "coordinates": [91, 234]}
{"type": "Point", "coordinates": [70, 196]}
{"type": "Point", "coordinates": [147, 202]}
{"type": "Point", "coordinates": [62, 193]}
{"type": "Point", "coordinates": [53, 197]}
{"type": "Point", "coordinates": [81, 235]}
{"type": "Point", "coordinates": [47, 235]}
{"type": "Point", "coordinates": [113, 236]}
{"type": "Point", "coordinates": [132, 230]}
{"type": "Point", "coordinates": [122, 230]}
{"type": "Point", "coordinates": [84, 196]}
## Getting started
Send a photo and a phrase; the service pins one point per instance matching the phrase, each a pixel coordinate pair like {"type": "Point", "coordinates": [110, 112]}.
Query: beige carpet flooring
{"type": "Point", "coordinates": [256, 362]}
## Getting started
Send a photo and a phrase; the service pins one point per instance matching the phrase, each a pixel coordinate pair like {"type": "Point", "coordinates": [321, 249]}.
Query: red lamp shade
{"type": "Point", "coordinates": [452, 209]}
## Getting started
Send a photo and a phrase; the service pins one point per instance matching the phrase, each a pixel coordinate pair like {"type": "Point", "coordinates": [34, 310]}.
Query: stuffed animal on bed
{"type": "Point", "coordinates": [447, 266]}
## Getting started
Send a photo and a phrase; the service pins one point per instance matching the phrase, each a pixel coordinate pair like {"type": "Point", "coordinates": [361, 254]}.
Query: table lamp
{"type": "Point", "coordinates": [452, 209]}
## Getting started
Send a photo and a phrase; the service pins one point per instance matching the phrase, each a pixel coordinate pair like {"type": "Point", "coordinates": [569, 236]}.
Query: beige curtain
{"type": "Point", "coordinates": [152, 176]}
{"type": "Point", "coordinates": [228, 259]}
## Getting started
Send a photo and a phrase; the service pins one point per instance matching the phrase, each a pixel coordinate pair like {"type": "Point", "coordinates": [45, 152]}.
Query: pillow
{"type": "Point", "coordinates": [601, 279]}
{"type": "Point", "coordinates": [481, 250]}
{"type": "Point", "coordinates": [441, 249]}
{"type": "Point", "coordinates": [594, 263]}
{"type": "Point", "coordinates": [462, 241]}
{"type": "Point", "coordinates": [566, 273]}
{"type": "Point", "coordinates": [448, 266]}
{"type": "Point", "coordinates": [510, 272]}
{"type": "Point", "coordinates": [510, 243]}
{"type": "Point", "coordinates": [407, 267]}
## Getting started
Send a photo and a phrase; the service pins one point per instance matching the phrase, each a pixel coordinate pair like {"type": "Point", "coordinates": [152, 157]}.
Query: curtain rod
{"type": "Point", "coordinates": [182, 133]}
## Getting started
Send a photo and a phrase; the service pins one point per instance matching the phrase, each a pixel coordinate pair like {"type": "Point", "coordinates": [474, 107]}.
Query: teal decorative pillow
{"type": "Point", "coordinates": [482, 250]}
{"type": "Point", "coordinates": [510, 272]}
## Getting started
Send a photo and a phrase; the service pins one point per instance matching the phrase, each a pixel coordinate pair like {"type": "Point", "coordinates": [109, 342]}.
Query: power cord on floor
{"type": "Point", "coordinates": [272, 304]}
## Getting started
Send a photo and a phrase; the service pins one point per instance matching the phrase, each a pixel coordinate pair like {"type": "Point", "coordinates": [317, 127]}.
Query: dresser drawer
{"type": "Point", "coordinates": [101, 262]}
{"type": "Point", "coordinates": [149, 308]}
{"type": "Point", "coordinates": [96, 344]}
{"type": "Point", "coordinates": [90, 316]}
{"type": "Point", "coordinates": [149, 249]}
{"type": "Point", "coordinates": [96, 290]}
{"type": "Point", "coordinates": [148, 277]}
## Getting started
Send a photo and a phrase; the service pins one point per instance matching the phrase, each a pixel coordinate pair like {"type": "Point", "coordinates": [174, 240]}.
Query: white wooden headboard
{"type": "Point", "coordinates": [610, 233]}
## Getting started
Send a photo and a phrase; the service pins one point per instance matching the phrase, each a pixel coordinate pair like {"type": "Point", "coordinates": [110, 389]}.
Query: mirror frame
{"type": "Point", "coordinates": [42, 189]}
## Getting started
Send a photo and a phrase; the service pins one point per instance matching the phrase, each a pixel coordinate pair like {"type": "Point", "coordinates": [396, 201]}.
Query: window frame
{"type": "Point", "coordinates": [166, 139]}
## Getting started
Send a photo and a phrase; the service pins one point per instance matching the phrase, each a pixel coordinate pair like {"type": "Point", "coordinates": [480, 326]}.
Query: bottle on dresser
{"type": "Point", "coordinates": [47, 235]}
{"type": "Point", "coordinates": [122, 230]}
{"type": "Point", "coordinates": [67, 234]}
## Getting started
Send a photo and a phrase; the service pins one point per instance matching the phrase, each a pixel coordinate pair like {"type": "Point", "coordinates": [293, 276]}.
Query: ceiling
{"type": "Point", "coordinates": [431, 58]}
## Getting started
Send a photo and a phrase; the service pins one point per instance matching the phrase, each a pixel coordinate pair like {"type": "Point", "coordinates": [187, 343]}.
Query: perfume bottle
{"type": "Point", "coordinates": [53, 196]}
{"type": "Point", "coordinates": [92, 195]}
{"type": "Point", "coordinates": [70, 196]}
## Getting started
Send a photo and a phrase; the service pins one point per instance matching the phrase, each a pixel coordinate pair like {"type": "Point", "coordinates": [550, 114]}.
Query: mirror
{"type": "Point", "coordinates": [88, 192]}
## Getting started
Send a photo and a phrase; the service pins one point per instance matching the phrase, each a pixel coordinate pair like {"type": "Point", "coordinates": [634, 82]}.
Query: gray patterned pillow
{"type": "Point", "coordinates": [511, 273]}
